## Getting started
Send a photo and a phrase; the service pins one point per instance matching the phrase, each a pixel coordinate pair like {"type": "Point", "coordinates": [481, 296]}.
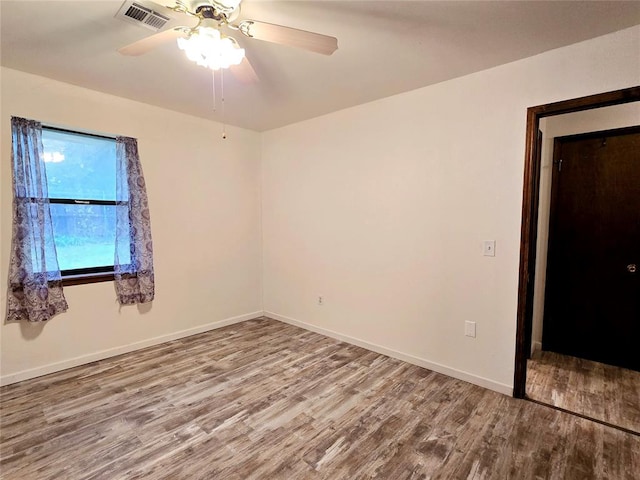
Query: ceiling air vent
{"type": "Point", "coordinates": [142, 15]}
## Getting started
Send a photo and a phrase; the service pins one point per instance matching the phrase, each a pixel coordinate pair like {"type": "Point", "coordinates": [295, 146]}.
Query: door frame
{"type": "Point", "coordinates": [529, 226]}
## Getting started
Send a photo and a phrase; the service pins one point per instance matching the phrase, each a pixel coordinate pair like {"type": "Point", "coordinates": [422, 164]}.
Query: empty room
{"type": "Point", "coordinates": [247, 239]}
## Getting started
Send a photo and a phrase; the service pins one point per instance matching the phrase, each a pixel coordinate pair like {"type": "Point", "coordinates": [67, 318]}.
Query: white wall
{"type": "Point", "coordinates": [382, 209]}
{"type": "Point", "coordinates": [204, 195]}
{"type": "Point", "coordinates": [606, 118]}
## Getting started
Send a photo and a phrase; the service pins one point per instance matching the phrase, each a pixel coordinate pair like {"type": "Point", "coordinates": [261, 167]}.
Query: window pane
{"type": "Point", "coordinates": [42, 260]}
{"type": "Point", "coordinates": [85, 235]}
{"type": "Point", "coordinates": [79, 166]}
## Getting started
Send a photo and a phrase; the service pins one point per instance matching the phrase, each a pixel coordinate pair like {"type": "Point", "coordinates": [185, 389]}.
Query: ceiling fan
{"type": "Point", "coordinates": [214, 16]}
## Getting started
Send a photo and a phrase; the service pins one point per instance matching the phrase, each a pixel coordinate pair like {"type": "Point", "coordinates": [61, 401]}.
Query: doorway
{"type": "Point", "coordinates": [532, 257]}
{"type": "Point", "coordinates": [592, 301]}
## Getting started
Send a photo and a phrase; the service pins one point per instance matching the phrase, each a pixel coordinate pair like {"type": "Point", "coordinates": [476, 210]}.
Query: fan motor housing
{"type": "Point", "coordinates": [207, 11]}
{"type": "Point", "coordinates": [216, 9]}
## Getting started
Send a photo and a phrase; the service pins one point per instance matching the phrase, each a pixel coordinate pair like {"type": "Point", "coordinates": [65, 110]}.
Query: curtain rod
{"type": "Point", "coordinates": [68, 130]}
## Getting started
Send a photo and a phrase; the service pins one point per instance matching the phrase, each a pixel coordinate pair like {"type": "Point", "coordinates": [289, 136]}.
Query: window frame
{"type": "Point", "coordinates": [80, 276]}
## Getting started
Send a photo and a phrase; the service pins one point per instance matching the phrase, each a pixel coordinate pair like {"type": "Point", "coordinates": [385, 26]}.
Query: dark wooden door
{"type": "Point", "coordinates": [592, 304]}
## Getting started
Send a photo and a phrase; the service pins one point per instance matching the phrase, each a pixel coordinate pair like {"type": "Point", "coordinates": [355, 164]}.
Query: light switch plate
{"type": "Point", "coordinates": [470, 329]}
{"type": "Point", "coordinates": [489, 248]}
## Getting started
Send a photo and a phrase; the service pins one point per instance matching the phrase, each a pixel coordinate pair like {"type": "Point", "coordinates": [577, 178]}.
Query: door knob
{"type": "Point", "coordinates": [631, 268]}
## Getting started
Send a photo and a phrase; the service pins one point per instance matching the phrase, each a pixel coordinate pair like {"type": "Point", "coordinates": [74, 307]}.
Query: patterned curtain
{"type": "Point", "coordinates": [35, 284]}
{"type": "Point", "coordinates": [133, 263]}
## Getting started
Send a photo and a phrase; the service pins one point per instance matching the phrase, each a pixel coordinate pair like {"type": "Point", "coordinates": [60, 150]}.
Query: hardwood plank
{"type": "Point", "coordinates": [603, 392]}
{"type": "Point", "coordinates": [266, 400]}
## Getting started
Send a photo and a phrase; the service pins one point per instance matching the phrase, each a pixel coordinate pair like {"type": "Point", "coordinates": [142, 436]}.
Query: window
{"type": "Point", "coordinates": [81, 180]}
{"type": "Point", "coordinates": [78, 199]}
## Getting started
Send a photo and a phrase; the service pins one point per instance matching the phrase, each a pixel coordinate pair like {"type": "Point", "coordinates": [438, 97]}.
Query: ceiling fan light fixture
{"type": "Point", "coordinates": [208, 48]}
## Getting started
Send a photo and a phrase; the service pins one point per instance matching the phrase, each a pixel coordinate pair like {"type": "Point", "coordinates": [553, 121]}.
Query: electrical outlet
{"type": "Point", "coordinates": [470, 329]}
{"type": "Point", "coordinates": [320, 300]}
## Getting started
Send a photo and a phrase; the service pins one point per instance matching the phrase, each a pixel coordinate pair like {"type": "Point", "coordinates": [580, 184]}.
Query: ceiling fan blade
{"type": "Point", "coordinates": [149, 43]}
{"type": "Point", "coordinates": [293, 37]}
{"type": "Point", "coordinates": [244, 72]}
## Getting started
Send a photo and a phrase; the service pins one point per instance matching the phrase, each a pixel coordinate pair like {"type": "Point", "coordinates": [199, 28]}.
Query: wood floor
{"type": "Point", "coordinates": [265, 400]}
{"type": "Point", "coordinates": [593, 389]}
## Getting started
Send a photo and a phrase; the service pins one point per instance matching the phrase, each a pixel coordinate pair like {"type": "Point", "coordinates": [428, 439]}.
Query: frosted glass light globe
{"type": "Point", "coordinates": [207, 47]}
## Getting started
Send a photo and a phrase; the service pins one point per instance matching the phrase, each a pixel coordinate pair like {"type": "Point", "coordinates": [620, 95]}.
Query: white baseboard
{"type": "Point", "coordinates": [421, 362]}
{"type": "Point", "coordinates": [112, 352]}
{"type": "Point", "coordinates": [536, 347]}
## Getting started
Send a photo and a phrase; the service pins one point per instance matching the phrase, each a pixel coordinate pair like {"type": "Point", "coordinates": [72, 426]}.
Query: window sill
{"type": "Point", "coordinates": [87, 278]}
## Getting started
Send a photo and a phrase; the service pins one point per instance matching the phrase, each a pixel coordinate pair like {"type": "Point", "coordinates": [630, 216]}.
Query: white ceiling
{"type": "Point", "coordinates": [384, 48]}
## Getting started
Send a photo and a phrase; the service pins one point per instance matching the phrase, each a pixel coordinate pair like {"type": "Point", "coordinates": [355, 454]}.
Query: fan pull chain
{"type": "Point", "coordinates": [213, 91]}
{"type": "Point", "coordinates": [224, 127]}
{"type": "Point", "coordinates": [213, 88]}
